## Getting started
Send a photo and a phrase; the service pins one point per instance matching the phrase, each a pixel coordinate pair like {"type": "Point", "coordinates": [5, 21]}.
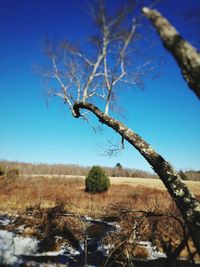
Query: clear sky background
{"type": "Point", "coordinates": [166, 113]}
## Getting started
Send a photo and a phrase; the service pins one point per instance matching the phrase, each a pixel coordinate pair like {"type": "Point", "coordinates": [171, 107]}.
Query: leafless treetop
{"type": "Point", "coordinates": [95, 73]}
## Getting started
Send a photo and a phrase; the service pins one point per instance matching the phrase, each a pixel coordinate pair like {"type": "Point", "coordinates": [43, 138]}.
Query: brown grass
{"type": "Point", "coordinates": [40, 195]}
{"type": "Point", "coordinates": [18, 194]}
{"type": "Point", "coordinates": [194, 186]}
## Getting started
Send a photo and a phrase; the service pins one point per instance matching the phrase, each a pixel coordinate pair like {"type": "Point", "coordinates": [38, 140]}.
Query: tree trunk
{"type": "Point", "coordinates": [184, 199]}
{"type": "Point", "coordinates": [187, 57]}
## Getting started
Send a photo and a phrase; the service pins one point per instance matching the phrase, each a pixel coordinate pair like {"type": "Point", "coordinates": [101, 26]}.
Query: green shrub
{"type": "Point", "coordinates": [12, 173]}
{"type": "Point", "coordinates": [96, 181]}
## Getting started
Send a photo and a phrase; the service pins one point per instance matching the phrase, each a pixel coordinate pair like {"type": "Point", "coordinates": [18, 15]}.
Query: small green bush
{"type": "Point", "coordinates": [96, 181]}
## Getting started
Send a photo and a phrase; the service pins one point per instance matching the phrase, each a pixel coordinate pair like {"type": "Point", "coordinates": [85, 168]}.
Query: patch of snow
{"type": "Point", "coordinates": [50, 253]}
{"type": "Point", "coordinates": [152, 250]}
{"type": "Point", "coordinates": [82, 246]}
{"type": "Point", "coordinates": [72, 251]}
{"type": "Point", "coordinates": [12, 246]}
{"type": "Point", "coordinates": [105, 249]}
{"type": "Point", "coordinates": [4, 219]}
{"type": "Point", "coordinates": [20, 229]}
{"type": "Point", "coordinates": [6, 248]}
{"type": "Point", "coordinates": [88, 219]}
{"type": "Point", "coordinates": [25, 245]}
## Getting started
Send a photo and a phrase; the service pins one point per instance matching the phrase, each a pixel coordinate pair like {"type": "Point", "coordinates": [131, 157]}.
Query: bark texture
{"type": "Point", "coordinates": [185, 201]}
{"type": "Point", "coordinates": [187, 57]}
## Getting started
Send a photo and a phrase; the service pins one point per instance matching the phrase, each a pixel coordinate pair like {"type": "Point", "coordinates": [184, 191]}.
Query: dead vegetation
{"type": "Point", "coordinates": [55, 207]}
{"type": "Point", "coordinates": [18, 194]}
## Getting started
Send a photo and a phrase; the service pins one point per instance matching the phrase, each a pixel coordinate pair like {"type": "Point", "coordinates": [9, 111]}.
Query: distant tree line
{"type": "Point", "coordinates": [72, 169]}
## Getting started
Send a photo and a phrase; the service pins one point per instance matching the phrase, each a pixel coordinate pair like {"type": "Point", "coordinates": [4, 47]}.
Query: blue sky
{"type": "Point", "coordinates": [165, 113]}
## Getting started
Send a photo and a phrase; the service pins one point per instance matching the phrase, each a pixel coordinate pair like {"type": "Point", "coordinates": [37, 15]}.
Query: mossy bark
{"type": "Point", "coordinates": [184, 199]}
{"type": "Point", "coordinates": [187, 57]}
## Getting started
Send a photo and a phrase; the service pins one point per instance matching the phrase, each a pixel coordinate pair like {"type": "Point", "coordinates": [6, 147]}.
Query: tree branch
{"type": "Point", "coordinates": [187, 57]}
{"type": "Point", "coordinates": [184, 199]}
{"type": "Point", "coordinates": [89, 81]}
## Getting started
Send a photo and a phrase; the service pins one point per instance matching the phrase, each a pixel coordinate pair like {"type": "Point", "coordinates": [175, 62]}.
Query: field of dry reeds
{"type": "Point", "coordinates": [142, 212]}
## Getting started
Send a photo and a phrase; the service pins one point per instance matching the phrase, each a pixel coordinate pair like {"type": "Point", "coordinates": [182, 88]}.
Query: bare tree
{"type": "Point", "coordinates": [187, 57]}
{"type": "Point", "coordinates": [87, 82]}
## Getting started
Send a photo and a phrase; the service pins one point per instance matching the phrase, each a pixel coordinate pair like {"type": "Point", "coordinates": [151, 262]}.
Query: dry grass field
{"type": "Point", "coordinates": [194, 186]}
{"type": "Point", "coordinates": [131, 193]}
{"type": "Point", "coordinates": [142, 208]}
{"type": "Point", "coordinates": [18, 194]}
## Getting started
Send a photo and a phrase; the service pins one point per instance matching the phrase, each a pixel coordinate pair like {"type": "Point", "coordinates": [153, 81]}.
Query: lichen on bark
{"type": "Point", "coordinates": [187, 57]}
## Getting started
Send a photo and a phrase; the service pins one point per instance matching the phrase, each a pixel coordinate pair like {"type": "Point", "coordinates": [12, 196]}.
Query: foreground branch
{"type": "Point", "coordinates": [187, 57]}
{"type": "Point", "coordinates": [184, 199]}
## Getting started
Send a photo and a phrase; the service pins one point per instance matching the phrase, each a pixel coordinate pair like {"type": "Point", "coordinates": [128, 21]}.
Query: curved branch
{"type": "Point", "coordinates": [184, 199]}
{"type": "Point", "coordinates": [187, 57]}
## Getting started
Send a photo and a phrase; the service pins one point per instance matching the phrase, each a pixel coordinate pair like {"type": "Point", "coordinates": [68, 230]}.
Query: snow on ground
{"type": "Point", "coordinates": [12, 246]}
{"type": "Point", "coordinates": [105, 249]}
{"type": "Point", "coordinates": [152, 250]}
{"type": "Point", "coordinates": [4, 219]}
